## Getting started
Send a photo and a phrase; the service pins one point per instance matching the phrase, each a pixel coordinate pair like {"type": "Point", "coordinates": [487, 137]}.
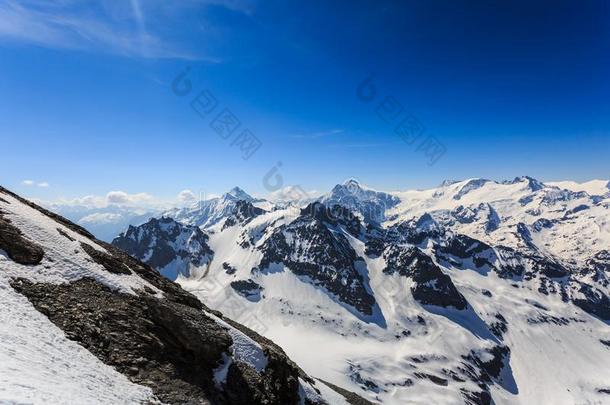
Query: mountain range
{"type": "Point", "coordinates": [476, 291]}
{"type": "Point", "coordinates": [473, 292]}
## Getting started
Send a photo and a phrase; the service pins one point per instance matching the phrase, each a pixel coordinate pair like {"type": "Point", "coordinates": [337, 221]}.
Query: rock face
{"type": "Point", "coordinates": [138, 322]}
{"type": "Point", "coordinates": [247, 288]}
{"type": "Point", "coordinates": [170, 247]}
{"type": "Point", "coordinates": [310, 248]}
{"type": "Point", "coordinates": [371, 204]}
{"type": "Point", "coordinates": [432, 286]}
{"type": "Point", "coordinates": [18, 248]}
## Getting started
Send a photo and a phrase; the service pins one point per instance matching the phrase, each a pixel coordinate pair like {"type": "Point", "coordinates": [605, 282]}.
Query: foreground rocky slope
{"type": "Point", "coordinates": [84, 322]}
{"type": "Point", "coordinates": [452, 295]}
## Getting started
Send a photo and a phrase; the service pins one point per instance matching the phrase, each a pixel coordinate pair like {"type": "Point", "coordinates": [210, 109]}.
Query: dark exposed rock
{"type": "Point", "coordinates": [605, 342]}
{"type": "Point", "coordinates": [435, 379]}
{"type": "Point", "coordinates": [333, 215]}
{"type": "Point", "coordinates": [483, 212]}
{"type": "Point", "coordinates": [599, 268]}
{"type": "Point", "coordinates": [432, 286]}
{"type": "Point", "coordinates": [350, 397]}
{"type": "Point", "coordinates": [464, 247]}
{"type": "Point", "coordinates": [489, 370]}
{"type": "Point", "coordinates": [576, 209]}
{"type": "Point", "coordinates": [470, 186]}
{"type": "Point", "coordinates": [179, 345]}
{"type": "Point", "coordinates": [228, 268]}
{"type": "Point", "coordinates": [245, 211]}
{"type": "Point", "coordinates": [370, 204]}
{"type": "Point", "coordinates": [596, 302]}
{"type": "Point", "coordinates": [109, 262]}
{"type": "Point", "coordinates": [374, 247]}
{"type": "Point", "coordinates": [543, 318]}
{"type": "Point", "coordinates": [499, 327]}
{"type": "Point", "coordinates": [532, 183]}
{"type": "Point", "coordinates": [248, 289]}
{"type": "Point", "coordinates": [542, 223]}
{"type": "Point", "coordinates": [169, 347]}
{"type": "Point", "coordinates": [366, 384]}
{"type": "Point", "coordinates": [415, 231]}
{"type": "Point", "coordinates": [161, 241]}
{"type": "Point", "coordinates": [310, 248]}
{"type": "Point", "coordinates": [18, 247]}
{"type": "Point", "coordinates": [464, 215]}
{"type": "Point", "coordinates": [476, 398]}
{"type": "Point", "coordinates": [526, 200]}
{"type": "Point", "coordinates": [65, 235]}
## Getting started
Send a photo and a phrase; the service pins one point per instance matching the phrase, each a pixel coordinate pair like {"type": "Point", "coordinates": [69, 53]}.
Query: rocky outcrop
{"type": "Point", "coordinates": [168, 246]}
{"type": "Point", "coordinates": [248, 289]}
{"type": "Point", "coordinates": [311, 249]}
{"type": "Point", "coordinates": [370, 204]}
{"type": "Point", "coordinates": [16, 246]}
{"type": "Point", "coordinates": [432, 286]}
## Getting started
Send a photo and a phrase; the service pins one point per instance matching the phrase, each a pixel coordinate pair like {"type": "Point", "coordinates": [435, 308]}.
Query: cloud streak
{"type": "Point", "coordinates": [112, 28]}
{"type": "Point", "coordinates": [31, 183]}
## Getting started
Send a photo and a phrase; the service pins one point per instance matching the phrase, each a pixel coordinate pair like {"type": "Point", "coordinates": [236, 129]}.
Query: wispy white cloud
{"type": "Point", "coordinates": [108, 26]}
{"type": "Point", "coordinates": [120, 198]}
{"type": "Point", "coordinates": [293, 193]}
{"type": "Point", "coordinates": [31, 183]}
{"type": "Point", "coordinates": [186, 196]}
{"type": "Point", "coordinates": [123, 198]}
{"type": "Point", "coordinates": [320, 134]}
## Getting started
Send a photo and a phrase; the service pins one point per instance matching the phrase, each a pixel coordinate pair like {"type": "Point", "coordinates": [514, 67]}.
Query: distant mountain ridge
{"type": "Point", "coordinates": [489, 277]}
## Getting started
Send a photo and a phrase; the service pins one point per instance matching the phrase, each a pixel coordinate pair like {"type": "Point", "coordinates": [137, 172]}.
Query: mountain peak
{"type": "Point", "coordinates": [532, 183]}
{"type": "Point", "coordinates": [237, 193]}
{"type": "Point", "coordinates": [447, 182]}
{"type": "Point", "coordinates": [351, 183]}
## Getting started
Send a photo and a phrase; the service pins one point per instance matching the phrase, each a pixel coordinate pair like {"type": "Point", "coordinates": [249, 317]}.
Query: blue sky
{"type": "Point", "coordinates": [507, 89]}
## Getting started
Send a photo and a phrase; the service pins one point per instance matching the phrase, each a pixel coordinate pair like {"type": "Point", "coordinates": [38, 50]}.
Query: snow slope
{"type": "Point", "coordinates": [592, 187]}
{"type": "Point", "coordinates": [37, 363]}
{"type": "Point", "coordinates": [43, 363]}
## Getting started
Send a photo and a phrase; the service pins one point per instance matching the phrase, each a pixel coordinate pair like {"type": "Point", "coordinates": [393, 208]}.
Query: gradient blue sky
{"type": "Point", "coordinates": [510, 88]}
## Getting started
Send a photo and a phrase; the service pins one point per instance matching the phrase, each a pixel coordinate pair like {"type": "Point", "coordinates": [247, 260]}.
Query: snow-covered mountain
{"type": "Point", "coordinates": [471, 292]}
{"type": "Point", "coordinates": [207, 213]}
{"type": "Point", "coordinates": [371, 204]}
{"type": "Point", "coordinates": [82, 322]}
{"type": "Point", "coordinates": [170, 247]}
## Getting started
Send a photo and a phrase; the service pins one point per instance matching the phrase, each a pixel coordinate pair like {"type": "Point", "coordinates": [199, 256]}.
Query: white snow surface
{"type": "Point", "coordinates": [581, 222]}
{"type": "Point", "coordinates": [592, 187]}
{"type": "Point", "coordinates": [244, 349]}
{"type": "Point", "coordinates": [38, 364]}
